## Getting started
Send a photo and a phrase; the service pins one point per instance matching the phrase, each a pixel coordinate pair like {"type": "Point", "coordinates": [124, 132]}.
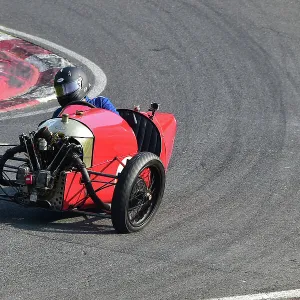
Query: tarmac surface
{"type": "Point", "coordinates": [229, 221]}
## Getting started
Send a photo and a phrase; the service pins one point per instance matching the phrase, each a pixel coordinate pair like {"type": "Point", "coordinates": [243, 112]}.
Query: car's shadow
{"type": "Point", "coordinates": [38, 219]}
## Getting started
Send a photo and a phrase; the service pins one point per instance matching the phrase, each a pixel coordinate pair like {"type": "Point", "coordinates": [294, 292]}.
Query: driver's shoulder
{"type": "Point", "coordinates": [97, 101]}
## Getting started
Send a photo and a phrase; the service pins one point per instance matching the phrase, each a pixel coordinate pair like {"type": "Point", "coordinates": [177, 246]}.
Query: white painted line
{"type": "Point", "coordinates": [28, 114]}
{"type": "Point", "coordinates": [6, 37]}
{"type": "Point", "coordinates": [291, 294]}
{"type": "Point", "coordinates": [100, 78]}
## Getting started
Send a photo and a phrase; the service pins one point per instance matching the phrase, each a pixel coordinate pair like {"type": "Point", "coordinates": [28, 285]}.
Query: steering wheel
{"type": "Point", "coordinates": [78, 102]}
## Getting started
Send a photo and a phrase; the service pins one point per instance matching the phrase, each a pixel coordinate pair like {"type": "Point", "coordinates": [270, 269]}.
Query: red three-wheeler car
{"type": "Point", "coordinates": [93, 161]}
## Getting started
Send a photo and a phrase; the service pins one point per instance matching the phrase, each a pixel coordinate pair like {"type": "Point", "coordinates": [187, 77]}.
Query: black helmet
{"type": "Point", "coordinates": [70, 84]}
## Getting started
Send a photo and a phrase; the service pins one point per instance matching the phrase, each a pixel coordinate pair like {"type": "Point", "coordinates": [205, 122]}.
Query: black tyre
{"type": "Point", "coordinates": [138, 193]}
{"type": "Point", "coordinates": [5, 174]}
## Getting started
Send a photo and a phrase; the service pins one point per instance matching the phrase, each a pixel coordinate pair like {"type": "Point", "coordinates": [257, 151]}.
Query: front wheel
{"type": "Point", "coordinates": [138, 193]}
{"type": "Point", "coordinates": [9, 163]}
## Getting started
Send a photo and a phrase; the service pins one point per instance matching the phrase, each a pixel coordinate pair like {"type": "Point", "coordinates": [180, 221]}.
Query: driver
{"type": "Point", "coordinates": [71, 84]}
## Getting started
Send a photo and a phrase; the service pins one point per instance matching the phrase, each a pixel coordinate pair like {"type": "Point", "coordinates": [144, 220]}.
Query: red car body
{"type": "Point", "coordinates": [114, 142]}
{"type": "Point", "coordinates": [93, 161]}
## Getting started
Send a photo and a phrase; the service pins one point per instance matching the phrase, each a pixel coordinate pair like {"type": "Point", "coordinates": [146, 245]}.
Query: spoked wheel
{"type": "Point", "coordinates": [9, 163]}
{"type": "Point", "coordinates": [138, 193]}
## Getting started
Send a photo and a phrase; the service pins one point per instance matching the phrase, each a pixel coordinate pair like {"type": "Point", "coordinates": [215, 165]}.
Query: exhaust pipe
{"type": "Point", "coordinates": [88, 184]}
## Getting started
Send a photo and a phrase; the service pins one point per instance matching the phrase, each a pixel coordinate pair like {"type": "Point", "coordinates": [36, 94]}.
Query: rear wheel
{"type": "Point", "coordinates": [138, 193]}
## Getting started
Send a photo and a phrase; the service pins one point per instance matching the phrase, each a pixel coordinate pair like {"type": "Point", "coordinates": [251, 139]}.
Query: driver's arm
{"type": "Point", "coordinates": [102, 102]}
{"type": "Point", "coordinates": [56, 112]}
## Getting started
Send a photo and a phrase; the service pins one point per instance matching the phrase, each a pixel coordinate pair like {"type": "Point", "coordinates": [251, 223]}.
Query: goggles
{"type": "Point", "coordinates": [67, 88]}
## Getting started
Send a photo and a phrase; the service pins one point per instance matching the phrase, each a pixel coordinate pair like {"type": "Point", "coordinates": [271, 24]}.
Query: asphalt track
{"type": "Point", "coordinates": [229, 222]}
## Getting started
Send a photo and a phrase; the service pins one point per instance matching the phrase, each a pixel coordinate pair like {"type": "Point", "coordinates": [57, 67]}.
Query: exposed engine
{"type": "Point", "coordinates": [48, 156]}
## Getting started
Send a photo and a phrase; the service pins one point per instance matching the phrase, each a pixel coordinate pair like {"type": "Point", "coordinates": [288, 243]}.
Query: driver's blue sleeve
{"type": "Point", "coordinates": [56, 113]}
{"type": "Point", "coordinates": [102, 102]}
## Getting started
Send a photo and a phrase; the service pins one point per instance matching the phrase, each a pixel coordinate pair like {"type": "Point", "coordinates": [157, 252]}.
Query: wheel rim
{"type": "Point", "coordinates": [8, 172]}
{"type": "Point", "coordinates": [144, 196]}
{"type": "Point", "coordinates": [9, 169]}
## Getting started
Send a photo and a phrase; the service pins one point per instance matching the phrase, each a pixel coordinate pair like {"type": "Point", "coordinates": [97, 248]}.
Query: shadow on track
{"type": "Point", "coordinates": [37, 219]}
